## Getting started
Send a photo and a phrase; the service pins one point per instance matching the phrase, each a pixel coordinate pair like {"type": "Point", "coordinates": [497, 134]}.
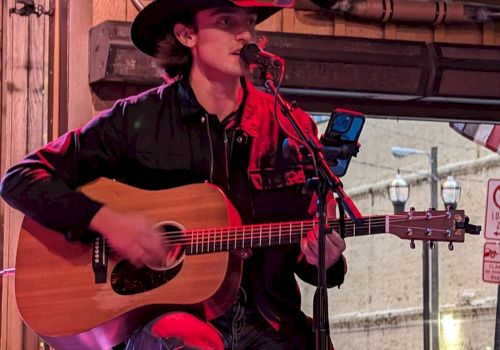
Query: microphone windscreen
{"type": "Point", "coordinates": [250, 53]}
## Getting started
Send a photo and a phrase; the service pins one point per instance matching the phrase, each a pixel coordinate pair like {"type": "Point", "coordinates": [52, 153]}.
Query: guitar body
{"type": "Point", "coordinates": [55, 286]}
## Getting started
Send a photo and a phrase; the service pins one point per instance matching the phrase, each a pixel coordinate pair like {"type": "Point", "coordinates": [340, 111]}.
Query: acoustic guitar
{"type": "Point", "coordinates": [80, 296]}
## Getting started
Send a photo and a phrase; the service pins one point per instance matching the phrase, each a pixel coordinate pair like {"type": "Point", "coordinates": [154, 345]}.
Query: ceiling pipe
{"type": "Point", "coordinates": [433, 12]}
{"type": "Point", "coordinates": [138, 4]}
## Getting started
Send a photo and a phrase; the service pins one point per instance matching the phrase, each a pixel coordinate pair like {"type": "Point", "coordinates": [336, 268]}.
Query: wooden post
{"type": "Point", "coordinates": [14, 117]}
{"type": "Point", "coordinates": [24, 128]}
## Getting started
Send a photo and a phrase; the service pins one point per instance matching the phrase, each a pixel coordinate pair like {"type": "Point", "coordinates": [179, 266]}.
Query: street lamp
{"type": "Point", "coordinates": [450, 192]}
{"type": "Point", "coordinates": [399, 192]}
{"type": "Point", "coordinates": [430, 277]}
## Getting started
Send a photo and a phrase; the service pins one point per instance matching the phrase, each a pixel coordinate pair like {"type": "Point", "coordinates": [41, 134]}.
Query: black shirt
{"type": "Point", "coordinates": [161, 139]}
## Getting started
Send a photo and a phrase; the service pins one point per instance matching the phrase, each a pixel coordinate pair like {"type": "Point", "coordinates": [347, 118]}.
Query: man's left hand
{"type": "Point", "coordinates": [334, 246]}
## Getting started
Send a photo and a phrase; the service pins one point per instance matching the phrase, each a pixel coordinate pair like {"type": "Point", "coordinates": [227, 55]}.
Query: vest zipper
{"type": "Point", "coordinates": [211, 149]}
{"type": "Point", "coordinates": [226, 158]}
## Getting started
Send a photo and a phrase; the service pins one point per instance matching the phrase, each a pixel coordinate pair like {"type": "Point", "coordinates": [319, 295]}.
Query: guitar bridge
{"type": "Point", "coordinates": [99, 260]}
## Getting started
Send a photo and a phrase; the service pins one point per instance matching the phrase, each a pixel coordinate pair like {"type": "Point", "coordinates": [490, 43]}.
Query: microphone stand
{"type": "Point", "coordinates": [326, 181]}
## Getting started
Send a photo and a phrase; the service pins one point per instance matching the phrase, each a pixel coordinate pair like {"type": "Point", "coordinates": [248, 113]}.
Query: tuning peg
{"type": "Point", "coordinates": [410, 213]}
{"type": "Point", "coordinates": [428, 213]}
{"type": "Point", "coordinates": [412, 244]}
{"type": "Point", "coordinates": [449, 211]}
{"type": "Point", "coordinates": [450, 246]}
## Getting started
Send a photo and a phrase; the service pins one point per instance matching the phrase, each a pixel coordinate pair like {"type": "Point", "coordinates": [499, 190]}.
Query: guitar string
{"type": "Point", "coordinates": [233, 235]}
{"type": "Point", "coordinates": [270, 228]}
{"type": "Point", "coordinates": [240, 234]}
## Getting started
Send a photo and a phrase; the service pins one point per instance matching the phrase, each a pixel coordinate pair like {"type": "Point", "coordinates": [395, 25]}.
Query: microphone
{"type": "Point", "coordinates": [253, 54]}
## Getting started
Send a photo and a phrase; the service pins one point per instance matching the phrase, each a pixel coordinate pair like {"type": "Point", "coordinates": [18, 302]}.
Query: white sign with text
{"type": "Point", "coordinates": [492, 217]}
{"type": "Point", "coordinates": [491, 262]}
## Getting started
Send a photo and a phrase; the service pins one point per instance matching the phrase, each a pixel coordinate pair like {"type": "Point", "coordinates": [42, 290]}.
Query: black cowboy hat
{"type": "Point", "coordinates": [151, 22]}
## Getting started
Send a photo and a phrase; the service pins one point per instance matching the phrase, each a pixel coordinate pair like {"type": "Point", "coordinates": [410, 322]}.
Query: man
{"type": "Point", "coordinates": [209, 124]}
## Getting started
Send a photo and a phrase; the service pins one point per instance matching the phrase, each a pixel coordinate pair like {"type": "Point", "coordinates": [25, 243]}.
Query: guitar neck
{"type": "Point", "coordinates": [264, 235]}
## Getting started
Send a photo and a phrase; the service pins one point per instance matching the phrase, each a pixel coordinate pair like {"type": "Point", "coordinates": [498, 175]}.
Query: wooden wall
{"type": "Point", "coordinates": [310, 22]}
{"type": "Point", "coordinates": [24, 127]}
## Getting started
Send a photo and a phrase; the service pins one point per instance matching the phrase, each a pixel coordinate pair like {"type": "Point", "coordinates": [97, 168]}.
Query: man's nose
{"type": "Point", "coordinates": [245, 34]}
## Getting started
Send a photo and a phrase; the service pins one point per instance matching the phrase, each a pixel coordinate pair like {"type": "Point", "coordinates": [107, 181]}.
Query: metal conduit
{"type": "Point", "coordinates": [433, 12]}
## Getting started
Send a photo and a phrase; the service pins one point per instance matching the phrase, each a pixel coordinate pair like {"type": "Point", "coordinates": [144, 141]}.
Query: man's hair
{"type": "Point", "coordinates": [171, 56]}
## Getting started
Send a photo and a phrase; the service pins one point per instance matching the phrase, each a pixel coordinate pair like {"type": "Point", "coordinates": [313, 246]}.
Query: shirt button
{"type": "Point", "coordinates": [202, 119]}
{"type": "Point", "coordinates": [239, 139]}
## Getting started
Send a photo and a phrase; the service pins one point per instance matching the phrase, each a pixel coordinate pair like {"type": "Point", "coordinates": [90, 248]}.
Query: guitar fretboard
{"type": "Point", "coordinates": [212, 240]}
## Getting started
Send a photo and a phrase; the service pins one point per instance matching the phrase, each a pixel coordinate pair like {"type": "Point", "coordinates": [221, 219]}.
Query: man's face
{"type": "Point", "coordinates": [221, 33]}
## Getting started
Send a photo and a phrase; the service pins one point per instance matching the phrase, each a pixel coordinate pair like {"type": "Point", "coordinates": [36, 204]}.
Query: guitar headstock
{"type": "Point", "coordinates": [432, 226]}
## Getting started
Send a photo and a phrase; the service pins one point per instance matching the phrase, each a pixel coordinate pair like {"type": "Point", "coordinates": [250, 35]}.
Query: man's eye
{"type": "Point", "coordinates": [224, 20]}
{"type": "Point", "coordinates": [252, 21]}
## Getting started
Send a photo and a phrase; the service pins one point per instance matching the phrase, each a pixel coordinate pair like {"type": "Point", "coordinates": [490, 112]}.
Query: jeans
{"type": "Point", "coordinates": [241, 328]}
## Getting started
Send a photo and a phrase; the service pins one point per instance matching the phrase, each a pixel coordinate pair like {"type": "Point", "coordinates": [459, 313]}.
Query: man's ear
{"type": "Point", "coordinates": [185, 34]}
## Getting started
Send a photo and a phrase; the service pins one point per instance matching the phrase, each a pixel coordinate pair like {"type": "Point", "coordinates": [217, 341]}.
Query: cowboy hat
{"type": "Point", "coordinates": [151, 22]}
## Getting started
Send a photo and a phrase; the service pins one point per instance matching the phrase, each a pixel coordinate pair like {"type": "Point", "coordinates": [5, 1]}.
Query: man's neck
{"type": "Point", "coordinates": [220, 97]}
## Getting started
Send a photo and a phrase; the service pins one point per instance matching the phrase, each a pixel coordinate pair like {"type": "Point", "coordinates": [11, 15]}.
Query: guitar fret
{"type": "Point", "coordinates": [192, 241]}
{"type": "Point", "coordinates": [203, 240]}
{"type": "Point", "coordinates": [208, 240]}
{"type": "Point", "coordinates": [214, 241]}
{"type": "Point", "coordinates": [251, 238]}
{"type": "Point", "coordinates": [301, 229]}
{"type": "Point", "coordinates": [235, 242]}
{"type": "Point", "coordinates": [197, 240]}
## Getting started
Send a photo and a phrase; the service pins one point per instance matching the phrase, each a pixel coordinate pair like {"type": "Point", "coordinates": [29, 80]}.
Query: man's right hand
{"type": "Point", "coordinates": [135, 237]}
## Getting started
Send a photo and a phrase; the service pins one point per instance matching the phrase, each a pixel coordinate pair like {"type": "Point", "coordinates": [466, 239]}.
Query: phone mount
{"type": "Point", "coordinates": [340, 140]}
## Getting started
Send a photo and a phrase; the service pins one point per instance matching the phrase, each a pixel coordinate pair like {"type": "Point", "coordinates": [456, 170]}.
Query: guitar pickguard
{"type": "Point", "coordinates": [126, 279]}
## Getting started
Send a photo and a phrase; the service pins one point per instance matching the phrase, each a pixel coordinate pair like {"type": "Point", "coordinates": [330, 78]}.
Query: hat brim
{"type": "Point", "coordinates": [151, 22]}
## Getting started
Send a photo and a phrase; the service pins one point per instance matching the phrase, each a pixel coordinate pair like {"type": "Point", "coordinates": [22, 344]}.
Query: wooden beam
{"type": "Point", "coordinates": [24, 128]}
{"type": "Point", "coordinates": [54, 71]}
{"type": "Point", "coordinates": [2, 89]}
{"type": "Point", "coordinates": [79, 98]}
{"type": "Point", "coordinates": [14, 139]}
{"type": "Point", "coordinates": [488, 33]}
{"type": "Point", "coordinates": [108, 10]}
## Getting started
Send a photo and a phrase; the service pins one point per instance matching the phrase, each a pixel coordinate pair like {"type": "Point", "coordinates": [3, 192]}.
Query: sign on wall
{"type": "Point", "coordinates": [492, 219]}
{"type": "Point", "coordinates": [491, 250]}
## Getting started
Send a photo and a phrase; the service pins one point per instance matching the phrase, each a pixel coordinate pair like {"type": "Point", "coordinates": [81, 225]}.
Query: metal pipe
{"type": "Point", "coordinates": [138, 4]}
{"type": "Point", "coordinates": [434, 12]}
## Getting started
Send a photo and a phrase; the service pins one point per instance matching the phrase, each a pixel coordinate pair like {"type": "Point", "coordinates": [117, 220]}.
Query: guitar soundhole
{"type": "Point", "coordinates": [126, 279]}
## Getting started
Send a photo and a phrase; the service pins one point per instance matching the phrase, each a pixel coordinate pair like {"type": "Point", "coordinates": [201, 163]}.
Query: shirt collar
{"type": "Point", "coordinates": [189, 105]}
{"type": "Point", "coordinates": [190, 108]}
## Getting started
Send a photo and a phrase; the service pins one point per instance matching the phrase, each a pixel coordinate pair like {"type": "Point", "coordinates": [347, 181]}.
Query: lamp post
{"type": "Point", "coordinates": [430, 277]}
{"type": "Point", "coordinates": [450, 192]}
{"type": "Point", "coordinates": [399, 192]}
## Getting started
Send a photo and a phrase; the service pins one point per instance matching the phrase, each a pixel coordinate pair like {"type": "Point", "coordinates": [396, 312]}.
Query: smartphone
{"type": "Point", "coordinates": [340, 140]}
